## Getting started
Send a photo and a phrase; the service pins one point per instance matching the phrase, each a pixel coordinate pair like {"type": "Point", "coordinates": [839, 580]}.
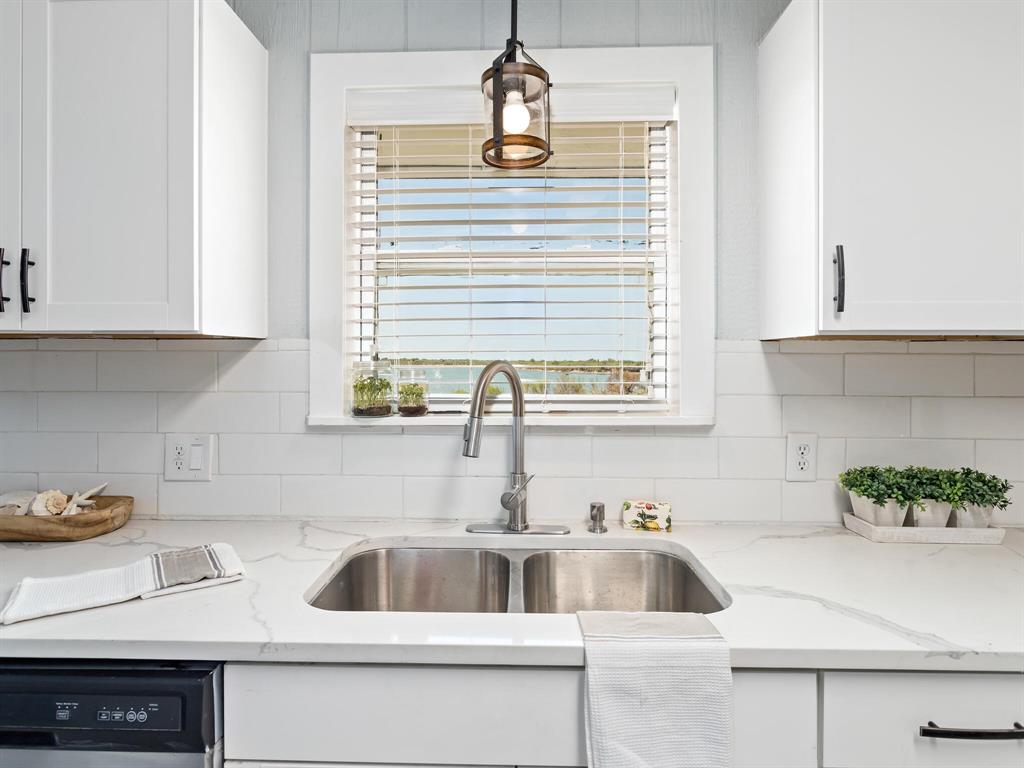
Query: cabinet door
{"type": "Point", "coordinates": [922, 164]}
{"type": "Point", "coordinates": [10, 162]}
{"type": "Point", "coordinates": [108, 183]}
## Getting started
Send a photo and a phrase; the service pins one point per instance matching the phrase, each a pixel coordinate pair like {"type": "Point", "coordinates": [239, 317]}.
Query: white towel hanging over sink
{"type": "Point", "coordinates": [658, 691]}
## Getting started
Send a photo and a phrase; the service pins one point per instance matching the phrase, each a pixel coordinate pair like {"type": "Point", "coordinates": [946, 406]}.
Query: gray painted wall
{"type": "Point", "coordinates": [290, 29]}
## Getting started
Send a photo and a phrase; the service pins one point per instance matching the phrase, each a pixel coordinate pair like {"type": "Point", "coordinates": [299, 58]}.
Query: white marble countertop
{"type": "Point", "coordinates": [802, 597]}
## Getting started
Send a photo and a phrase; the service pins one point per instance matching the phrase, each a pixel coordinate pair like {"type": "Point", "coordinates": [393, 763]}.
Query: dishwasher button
{"type": "Point", "coordinates": [130, 717]}
{"type": "Point", "coordinates": [117, 716]}
{"type": "Point", "coordinates": [103, 715]}
{"type": "Point", "coordinates": [143, 717]}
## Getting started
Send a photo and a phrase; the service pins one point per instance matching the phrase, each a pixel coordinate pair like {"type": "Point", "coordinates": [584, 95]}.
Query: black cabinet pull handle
{"type": "Point", "coordinates": [3, 299]}
{"type": "Point", "coordinates": [935, 732]}
{"type": "Point", "coordinates": [840, 261]}
{"type": "Point", "coordinates": [26, 300]}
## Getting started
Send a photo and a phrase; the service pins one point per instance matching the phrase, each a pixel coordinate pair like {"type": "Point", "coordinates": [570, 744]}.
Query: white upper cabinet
{"type": "Point", "coordinates": [143, 169]}
{"type": "Point", "coordinates": [892, 148]}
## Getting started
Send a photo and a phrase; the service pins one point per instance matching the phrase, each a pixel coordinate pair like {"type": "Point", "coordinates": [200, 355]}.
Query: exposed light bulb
{"type": "Point", "coordinates": [515, 116]}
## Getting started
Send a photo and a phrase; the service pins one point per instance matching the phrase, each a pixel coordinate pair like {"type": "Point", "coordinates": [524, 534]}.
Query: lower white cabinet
{"type": "Point", "coordinates": [873, 719]}
{"type": "Point", "coordinates": [285, 715]}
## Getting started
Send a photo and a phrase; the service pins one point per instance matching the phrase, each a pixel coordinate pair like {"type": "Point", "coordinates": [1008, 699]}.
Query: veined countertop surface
{"type": "Point", "coordinates": [802, 597]}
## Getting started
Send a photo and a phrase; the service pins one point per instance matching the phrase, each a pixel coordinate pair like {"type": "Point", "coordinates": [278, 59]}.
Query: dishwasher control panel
{"type": "Point", "coordinates": [57, 711]}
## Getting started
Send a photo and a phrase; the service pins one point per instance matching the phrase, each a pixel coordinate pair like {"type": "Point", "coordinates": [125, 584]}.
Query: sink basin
{"type": "Point", "coordinates": [409, 579]}
{"type": "Point", "coordinates": [570, 580]}
{"type": "Point", "coordinates": [517, 580]}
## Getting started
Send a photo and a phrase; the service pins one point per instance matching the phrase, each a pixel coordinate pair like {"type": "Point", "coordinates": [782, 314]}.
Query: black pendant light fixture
{"type": "Point", "coordinates": [517, 107]}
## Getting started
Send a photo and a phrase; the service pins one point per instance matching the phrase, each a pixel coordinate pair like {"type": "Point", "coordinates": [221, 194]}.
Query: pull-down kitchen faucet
{"type": "Point", "coordinates": [514, 500]}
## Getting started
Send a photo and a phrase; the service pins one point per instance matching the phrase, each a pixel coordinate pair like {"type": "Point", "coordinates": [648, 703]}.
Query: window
{"type": "Point", "coordinates": [595, 273]}
{"type": "Point", "coordinates": [561, 269]}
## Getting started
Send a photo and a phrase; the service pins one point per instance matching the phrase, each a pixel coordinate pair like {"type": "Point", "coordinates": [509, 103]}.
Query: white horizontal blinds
{"type": "Point", "coordinates": [561, 269]}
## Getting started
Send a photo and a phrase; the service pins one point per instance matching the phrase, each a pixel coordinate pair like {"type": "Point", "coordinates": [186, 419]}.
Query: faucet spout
{"type": "Point", "coordinates": [478, 401]}
{"type": "Point", "coordinates": [513, 501]}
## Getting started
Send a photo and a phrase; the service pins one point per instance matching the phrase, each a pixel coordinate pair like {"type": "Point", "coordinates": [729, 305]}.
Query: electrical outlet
{"type": "Point", "coordinates": [801, 457]}
{"type": "Point", "coordinates": [188, 457]}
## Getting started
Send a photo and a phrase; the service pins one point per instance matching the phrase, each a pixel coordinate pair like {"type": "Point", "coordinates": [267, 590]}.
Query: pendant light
{"type": "Point", "coordinates": [517, 107]}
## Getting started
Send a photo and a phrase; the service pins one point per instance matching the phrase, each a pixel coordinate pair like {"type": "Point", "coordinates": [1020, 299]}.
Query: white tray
{"type": "Point", "coordinates": [894, 535]}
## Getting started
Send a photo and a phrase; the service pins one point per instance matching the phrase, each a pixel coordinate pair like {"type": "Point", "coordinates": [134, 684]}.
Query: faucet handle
{"type": "Point", "coordinates": [597, 518]}
{"type": "Point", "coordinates": [510, 498]}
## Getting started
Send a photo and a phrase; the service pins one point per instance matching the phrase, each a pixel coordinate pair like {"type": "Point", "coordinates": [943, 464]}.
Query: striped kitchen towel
{"type": "Point", "coordinates": [163, 573]}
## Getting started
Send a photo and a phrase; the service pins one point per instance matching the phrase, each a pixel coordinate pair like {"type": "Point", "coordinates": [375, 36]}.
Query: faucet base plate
{"type": "Point", "coordinates": [549, 530]}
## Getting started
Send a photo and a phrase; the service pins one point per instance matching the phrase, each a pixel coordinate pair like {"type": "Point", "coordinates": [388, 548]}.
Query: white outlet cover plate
{"type": "Point", "coordinates": [188, 457]}
{"type": "Point", "coordinates": [801, 457]}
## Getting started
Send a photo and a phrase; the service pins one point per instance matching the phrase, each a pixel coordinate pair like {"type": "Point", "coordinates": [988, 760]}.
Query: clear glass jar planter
{"type": "Point", "coordinates": [371, 388]}
{"type": "Point", "coordinates": [412, 393]}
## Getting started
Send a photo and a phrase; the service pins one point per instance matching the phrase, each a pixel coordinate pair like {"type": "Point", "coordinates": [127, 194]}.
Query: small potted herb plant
{"type": "Point", "coordinates": [936, 492]}
{"type": "Point", "coordinates": [412, 395]}
{"type": "Point", "coordinates": [371, 389]}
{"type": "Point", "coordinates": [982, 495]}
{"type": "Point", "coordinates": [879, 495]}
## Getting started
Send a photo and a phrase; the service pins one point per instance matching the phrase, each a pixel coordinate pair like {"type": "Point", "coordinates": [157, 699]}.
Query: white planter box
{"type": "Point", "coordinates": [891, 515]}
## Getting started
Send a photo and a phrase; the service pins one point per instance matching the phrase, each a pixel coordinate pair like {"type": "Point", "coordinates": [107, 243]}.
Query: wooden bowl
{"type": "Point", "coordinates": [109, 514]}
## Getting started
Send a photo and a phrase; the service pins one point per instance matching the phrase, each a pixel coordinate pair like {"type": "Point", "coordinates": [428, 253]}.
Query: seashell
{"type": "Point", "coordinates": [93, 491]}
{"type": "Point", "coordinates": [20, 499]}
{"type": "Point", "coordinates": [48, 503]}
{"type": "Point", "coordinates": [9, 509]}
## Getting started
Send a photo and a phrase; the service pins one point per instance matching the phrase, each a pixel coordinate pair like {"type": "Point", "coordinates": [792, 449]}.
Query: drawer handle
{"type": "Point", "coordinates": [935, 732]}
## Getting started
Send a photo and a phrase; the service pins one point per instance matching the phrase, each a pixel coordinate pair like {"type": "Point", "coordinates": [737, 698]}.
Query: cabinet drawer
{"type": "Point", "coordinates": [872, 720]}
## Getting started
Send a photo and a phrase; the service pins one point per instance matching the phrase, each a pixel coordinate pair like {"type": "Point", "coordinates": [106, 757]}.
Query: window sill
{"type": "Point", "coordinates": [504, 419]}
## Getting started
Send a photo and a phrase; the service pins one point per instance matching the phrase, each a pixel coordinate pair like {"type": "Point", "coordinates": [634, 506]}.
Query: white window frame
{"type": "Point", "coordinates": [688, 70]}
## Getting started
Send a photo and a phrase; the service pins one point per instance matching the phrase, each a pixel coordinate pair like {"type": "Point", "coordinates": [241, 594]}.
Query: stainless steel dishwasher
{"type": "Point", "coordinates": [91, 714]}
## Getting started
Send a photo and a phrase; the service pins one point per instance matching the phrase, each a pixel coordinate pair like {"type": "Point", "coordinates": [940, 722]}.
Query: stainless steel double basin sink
{"type": "Point", "coordinates": [459, 579]}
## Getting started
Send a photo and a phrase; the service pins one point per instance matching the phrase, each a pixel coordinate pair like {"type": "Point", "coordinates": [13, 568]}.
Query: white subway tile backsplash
{"type": "Point", "coordinates": [47, 371]}
{"type": "Point", "coordinates": [18, 481]}
{"type": "Point", "coordinates": [842, 346]}
{"type": "Point", "coordinates": [400, 455]}
{"type": "Point", "coordinates": [999, 375]}
{"type": "Point", "coordinates": [847, 416]}
{"type": "Point", "coordinates": [357, 498]}
{"type": "Point", "coordinates": [967, 347]}
{"type": "Point", "coordinates": [218, 412]}
{"type": "Point", "coordinates": [97, 412]}
{"type": "Point", "coordinates": [898, 409]}
{"type": "Point", "coordinates": [96, 345]}
{"type": "Point", "coordinates": [752, 457]}
{"type": "Point", "coordinates": [48, 452]}
{"type": "Point", "coordinates": [947, 454]}
{"type": "Point", "coordinates": [1001, 457]}
{"type": "Point", "coordinates": [294, 409]}
{"type": "Point", "coordinates": [263, 371]}
{"type": "Point", "coordinates": [722, 500]}
{"type": "Point", "coordinates": [454, 498]}
{"type": "Point", "coordinates": [131, 452]}
{"type": "Point", "coordinates": [819, 502]}
{"type": "Point", "coordinates": [568, 499]}
{"type": "Point", "coordinates": [280, 454]}
{"type": "Point", "coordinates": [748, 416]}
{"type": "Point", "coordinates": [968, 417]}
{"type": "Point", "coordinates": [551, 455]}
{"type": "Point", "coordinates": [17, 411]}
{"type": "Point", "coordinates": [655, 457]}
{"type": "Point", "coordinates": [142, 487]}
{"type": "Point", "coordinates": [223, 497]}
{"type": "Point", "coordinates": [760, 374]}
{"type": "Point", "coordinates": [831, 457]}
{"type": "Point", "coordinates": [1014, 514]}
{"type": "Point", "coordinates": [157, 371]}
{"type": "Point", "coordinates": [909, 375]}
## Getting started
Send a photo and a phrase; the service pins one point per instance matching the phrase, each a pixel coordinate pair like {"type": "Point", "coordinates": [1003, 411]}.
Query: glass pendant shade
{"type": "Point", "coordinates": [524, 123]}
{"type": "Point", "coordinates": [517, 108]}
